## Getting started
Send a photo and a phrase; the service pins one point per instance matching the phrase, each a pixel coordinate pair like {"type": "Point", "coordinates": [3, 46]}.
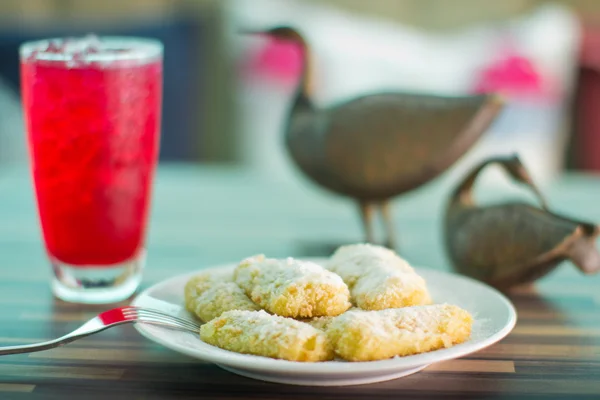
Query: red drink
{"type": "Point", "coordinates": [93, 117]}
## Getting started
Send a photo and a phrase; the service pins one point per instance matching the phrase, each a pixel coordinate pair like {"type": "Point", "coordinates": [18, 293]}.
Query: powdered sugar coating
{"type": "Point", "coordinates": [292, 288]}
{"type": "Point", "coordinates": [263, 334]}
{"type": "Point", "coordinates": [360, 335]}
{"type": "Point", "coordinates": [378, 278]}
{"type": "Point", "coordinates": [210, 294]}
{"type": "Point", "coordinates": [201, 282]}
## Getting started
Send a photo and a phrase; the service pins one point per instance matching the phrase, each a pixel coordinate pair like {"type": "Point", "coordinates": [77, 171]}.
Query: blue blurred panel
{"type": "Point", "coordinates": [183, 72]}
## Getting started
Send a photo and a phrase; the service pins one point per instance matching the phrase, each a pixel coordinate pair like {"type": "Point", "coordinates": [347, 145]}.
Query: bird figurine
{"type": "Point", "coordinates": [377, 146]}
{"type": "Point", "coordinates": [510, 244]}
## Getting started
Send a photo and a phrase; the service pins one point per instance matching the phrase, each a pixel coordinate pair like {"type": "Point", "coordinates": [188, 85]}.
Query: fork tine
{"type": "Point", "coordinates": [159, 316]}
{"type": "Point", "coordinates": [156, 313]}
{"type": "Point", "coordinates": [168, 320]}
{"type": "Point", "coordinates": [167, 324]}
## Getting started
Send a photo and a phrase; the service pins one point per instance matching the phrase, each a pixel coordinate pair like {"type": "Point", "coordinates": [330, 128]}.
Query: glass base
{"type": "Point", "coordinates": [97, 285]}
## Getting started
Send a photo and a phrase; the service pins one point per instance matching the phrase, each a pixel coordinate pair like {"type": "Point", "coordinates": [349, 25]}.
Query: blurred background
{"type": "Point", "coordinates": [226, 94]}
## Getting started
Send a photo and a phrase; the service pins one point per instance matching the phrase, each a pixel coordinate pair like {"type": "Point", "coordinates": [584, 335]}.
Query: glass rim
{"type": "Point", "coordinates": [139, 49]}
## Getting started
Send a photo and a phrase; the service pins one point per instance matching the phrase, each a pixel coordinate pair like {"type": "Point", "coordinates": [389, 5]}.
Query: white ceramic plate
{"type": "Point", "coordinates": [494, 317]}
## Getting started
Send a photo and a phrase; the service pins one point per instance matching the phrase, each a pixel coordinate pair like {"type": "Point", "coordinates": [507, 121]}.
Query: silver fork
{"type": "Point", "coordinates": [105, 320]}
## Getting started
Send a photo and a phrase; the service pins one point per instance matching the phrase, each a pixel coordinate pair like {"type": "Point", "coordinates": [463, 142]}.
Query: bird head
{"type": "Point", "coordinates": [281, 32]}
{"type": "Point", "coordinates": [294, 39]}
{"type": "Point", "coordinates": [514, 166]}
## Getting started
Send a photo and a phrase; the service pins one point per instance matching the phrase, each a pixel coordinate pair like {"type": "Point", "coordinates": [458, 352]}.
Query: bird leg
{"type": "Point", "coordinates": [388, 221]}
{"type": "Point", "coordinates": [366, 212]}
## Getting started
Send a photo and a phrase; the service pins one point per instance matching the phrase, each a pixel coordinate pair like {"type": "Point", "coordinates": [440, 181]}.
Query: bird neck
{"type": "Point", "coordinates": [464, 192]}
{"type": "Point", "coordinates": [306, 85]}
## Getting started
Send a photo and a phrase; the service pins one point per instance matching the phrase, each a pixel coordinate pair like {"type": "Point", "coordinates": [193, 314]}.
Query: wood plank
{"type": "Point", "coordinates": [76, 316]}
{"type": "Point", "coordinates": [162, 356]}
{"type": "Point", "coordinates": [555, 330]}
{"type": "Point", "coordinates": [29, 372]}
{"type": "Point", "coordinates": [545, 351]}
{"type": "Point", "coordinates": [557, 315]}
{"type": "Point", "coordinates": [497, 384]}
{"type": "Point", "coordinates": [535, 340]}
{"type": "Point", "coordinates": [109, 342]}
{"type": "Point", "coordinates": [554, 351]}
{"type": "Point", "coordinates": [16, 387]}
{"type": "Point", "coordinates": [549, 369]}
{"type": "Point", "coordinates": [473, 366]}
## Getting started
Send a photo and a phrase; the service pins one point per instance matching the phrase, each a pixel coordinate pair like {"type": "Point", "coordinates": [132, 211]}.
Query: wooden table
{"type": "Point", "coordinates": [204, 216]}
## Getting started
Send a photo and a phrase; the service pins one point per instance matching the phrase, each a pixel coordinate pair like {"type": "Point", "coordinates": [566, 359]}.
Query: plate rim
{"type": "Point", "coordinates": [253, 362]}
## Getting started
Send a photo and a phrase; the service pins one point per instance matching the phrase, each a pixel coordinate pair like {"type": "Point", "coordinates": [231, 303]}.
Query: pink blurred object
{"type": "Point", "coordinates": [512, 75]}
{"type": "Point", "coordinates": [278, 59]}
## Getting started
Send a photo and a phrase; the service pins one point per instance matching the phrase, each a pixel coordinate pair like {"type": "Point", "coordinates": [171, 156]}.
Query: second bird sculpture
{"type": "Point", "coordinates": [378, 146]}
{"type": "Point", "coordinates": [514, 243]}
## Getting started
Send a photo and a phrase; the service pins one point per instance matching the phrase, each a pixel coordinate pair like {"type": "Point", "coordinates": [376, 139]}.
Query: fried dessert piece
{"type": "Point", "coordinates": [321, 323]}
{"type": "Point", "coordinates": [200, 283]}
{"type": "Point", "coordinates": [263, 334]}
{"type": "Point", "coordinates": [209, 294]}
{"type": "Point", "coordinates": [292, 288]}
{"type": "Point", "coordinates": [378, 278]}
{"type": "Point", "coordinates": [376, 335]}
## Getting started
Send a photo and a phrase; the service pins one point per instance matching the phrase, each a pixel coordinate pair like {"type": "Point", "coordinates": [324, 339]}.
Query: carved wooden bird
{"type": "Point", "coordinates": [513, 243]}
{"type": "Point", "coordinates": [377, 146]}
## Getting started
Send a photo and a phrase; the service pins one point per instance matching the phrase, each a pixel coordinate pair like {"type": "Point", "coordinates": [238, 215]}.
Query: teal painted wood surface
{"type": "Point", "coordinates": [203, 216]}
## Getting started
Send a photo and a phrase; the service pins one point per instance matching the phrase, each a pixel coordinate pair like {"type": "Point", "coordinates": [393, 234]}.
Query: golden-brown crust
{"type": "Point", "coordinates": [378, 278]}
{"type": "Point", "coordinates": [209, 294]}
{"type": "Point", "coordinates": [292, 288]}
{"type": "Point", "coordinates": [263, 334]}
{"type": "Point", "coordinates": [385, 323]}
{"type": "Point", "coordinates": [377, 335]}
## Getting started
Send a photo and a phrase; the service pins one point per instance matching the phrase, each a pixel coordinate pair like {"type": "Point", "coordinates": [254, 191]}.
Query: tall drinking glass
{"type": "Point", "coordinates": [92, 110]}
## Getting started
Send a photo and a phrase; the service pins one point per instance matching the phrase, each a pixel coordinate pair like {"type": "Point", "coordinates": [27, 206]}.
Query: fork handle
{"type": "Point", "coordinates": [86, 329]}
{"type": "Point", "coordinates": [31, 348]}
{"type": "Point", "coordinates": [94, 325]}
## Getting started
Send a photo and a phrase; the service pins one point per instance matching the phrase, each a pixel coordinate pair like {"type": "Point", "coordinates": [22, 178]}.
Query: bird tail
{"type": "Point", "coordinates": [584, 254]}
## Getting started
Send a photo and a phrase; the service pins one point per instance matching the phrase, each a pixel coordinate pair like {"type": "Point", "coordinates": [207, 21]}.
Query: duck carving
{"type": "Point", "coordinates": [514, 243]}
{"type": "Point", "coordinates": [377, 146]}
